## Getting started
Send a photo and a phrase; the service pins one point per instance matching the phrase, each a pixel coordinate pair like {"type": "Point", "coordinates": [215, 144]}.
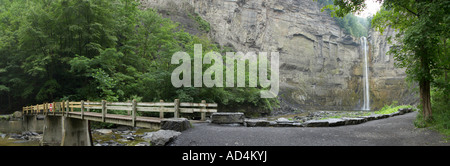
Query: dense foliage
{"type": "Point", "coordinates": [351, 24]}
{"type": "Point", "coordinates": [54, 50]}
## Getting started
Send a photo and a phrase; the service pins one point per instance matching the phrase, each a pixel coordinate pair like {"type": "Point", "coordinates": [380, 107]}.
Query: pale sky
{"type": "Point", "coordinates": [372, 6]}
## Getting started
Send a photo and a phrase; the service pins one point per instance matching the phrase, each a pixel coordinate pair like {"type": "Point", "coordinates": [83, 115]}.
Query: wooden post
{"type": "Point", "coordinates": [176, 113]}
{"type": "Point", "coordinates": [37, 109]}
{"type": "Point", "coordinates": [161, 112]}
{"type": "Point", "coordinates": [67, 107]}
{"type": "Point", "coordinates": [103, 110]}
{"type": "Point", "coordinates": [45, 108]}
{"type": "Point", "coordinates": [203, 114]}
{"type": "Point", "coordinates": [88, 109]}
{"type": "Point", "coordinates": [61, 106]}
{"type": "Point", "coordinates": [54, 108]}
{"type": "Point", "coordinates": [133, 113]}
{"type": "Point", "coordinates": [82, 109]}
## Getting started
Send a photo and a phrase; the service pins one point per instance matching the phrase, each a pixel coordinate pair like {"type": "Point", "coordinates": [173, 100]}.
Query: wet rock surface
{"type": "Point", "coordinates": [128, 136]}
{"type": "Point", "coordinates": [323, 119]}
{"type": "Point", "coordinates": [27, 135]}
{"type": "Point", "coordinates": [26, 138]}
{"type": "Point", "coordinates": [176, 124]}
{"type": "Point", "coordinates": [161, 137]}
{"type": "Point", "coordinates": [227, 118]}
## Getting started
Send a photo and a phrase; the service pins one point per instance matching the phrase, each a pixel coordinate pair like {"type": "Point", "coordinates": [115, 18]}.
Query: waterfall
{"type": "Point", "coordinates": [366, 105]}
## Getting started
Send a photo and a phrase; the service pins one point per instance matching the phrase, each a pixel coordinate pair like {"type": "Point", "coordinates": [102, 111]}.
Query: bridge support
{"type": "Point", "coordinates": [66, 132]}
{"type": "Point", "coordinates": [52, 131]}
{"type": "Point", "coordinates": [76, 132]}
{"type": "Point", "coordinates": [33, 123]}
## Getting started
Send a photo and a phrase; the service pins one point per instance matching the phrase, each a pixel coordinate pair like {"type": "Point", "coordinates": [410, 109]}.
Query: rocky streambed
{"type": "Point", "coordinates": [26, 138]}
{"type": "Point", "coordinates": [120, 136]}
{"type": "Point", "coordinates": [128, 136]}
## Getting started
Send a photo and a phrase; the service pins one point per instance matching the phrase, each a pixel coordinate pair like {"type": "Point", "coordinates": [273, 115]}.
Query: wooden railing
{"type": "Point", "coordinates": [132, 107]}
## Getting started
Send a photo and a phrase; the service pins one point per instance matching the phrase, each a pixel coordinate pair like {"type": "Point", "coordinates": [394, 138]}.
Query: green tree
{"type": "Point", "coordinates": [423, 28]}
{"type": "Point", "coordinates": [350, 23]}
{"type": "Point", "coordinates": [97, 50]}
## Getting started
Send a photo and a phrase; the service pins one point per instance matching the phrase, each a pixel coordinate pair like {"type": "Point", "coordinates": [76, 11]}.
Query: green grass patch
{"type": "Point", "coordinates": [387, 109]}
{"type": "Point", "coordinates": [391, 109]}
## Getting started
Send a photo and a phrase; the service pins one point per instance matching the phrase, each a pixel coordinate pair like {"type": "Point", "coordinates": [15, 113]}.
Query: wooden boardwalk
{"type": "Point", "coordinates": [140, 121]}
{"type": "Point", "coordinates": [90, 111]}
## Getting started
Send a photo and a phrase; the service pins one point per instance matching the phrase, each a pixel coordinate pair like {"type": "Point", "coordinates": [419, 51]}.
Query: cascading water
{"type": "Point", "coordinates": [366, 105]}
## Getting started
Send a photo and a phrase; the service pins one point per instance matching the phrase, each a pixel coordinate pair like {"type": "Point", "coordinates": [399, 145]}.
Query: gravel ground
{"type": "Point", "coordinates": [394, 131]}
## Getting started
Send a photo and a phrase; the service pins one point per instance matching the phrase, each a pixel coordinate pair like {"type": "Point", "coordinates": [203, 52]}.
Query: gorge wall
{"type": "Point", "coordinates": [321, 67]}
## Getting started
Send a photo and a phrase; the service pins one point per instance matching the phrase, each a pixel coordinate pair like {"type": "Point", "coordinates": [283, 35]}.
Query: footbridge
{"type": "Point", "coordinates": [66, 123]}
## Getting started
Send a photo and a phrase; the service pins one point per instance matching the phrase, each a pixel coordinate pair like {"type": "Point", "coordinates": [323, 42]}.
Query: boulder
{"type": "Point", "coordinates": [176, 124]}
{"type": "Point", "coordinates": [161, 137]}
{"type": "Point", "coordinates": [17, 114]}
{"type": "Point", "coordinates": [283, 122]}
{"type": "Point", "coordinates": [103, 131]}
{"type": "Point", "coordinates": [129, 137]}
{"type": "Point", "coordinates": [316, 123]}
{"type": "Point", "coordinates": [335, 122]}
{"type": "Point", "coordinates": [256, 123]}
{"type": "Point", "coordinates": [227, 117]}
{"type": "Point", "coordinates": [353, 121]}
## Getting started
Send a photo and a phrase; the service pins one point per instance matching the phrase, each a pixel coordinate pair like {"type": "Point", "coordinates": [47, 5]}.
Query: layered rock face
{"type": "Point", "coordinates": [387, 82]}
{"type": "Point", "coordinates": [321, 67]}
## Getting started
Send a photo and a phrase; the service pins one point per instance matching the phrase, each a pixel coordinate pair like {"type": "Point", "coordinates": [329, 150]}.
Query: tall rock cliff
{"type": "Point", "coordinates": [321, 67]}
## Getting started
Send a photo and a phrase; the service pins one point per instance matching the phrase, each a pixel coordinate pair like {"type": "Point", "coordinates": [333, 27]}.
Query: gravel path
{"type": "Point", "coordinates": [393, 131]}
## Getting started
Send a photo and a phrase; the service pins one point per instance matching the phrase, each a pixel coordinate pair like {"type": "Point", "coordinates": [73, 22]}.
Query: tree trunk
{"type": "Point", "coordinates": [424, 86]}
{"type": "Point", "coordinates": [425, 99]}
